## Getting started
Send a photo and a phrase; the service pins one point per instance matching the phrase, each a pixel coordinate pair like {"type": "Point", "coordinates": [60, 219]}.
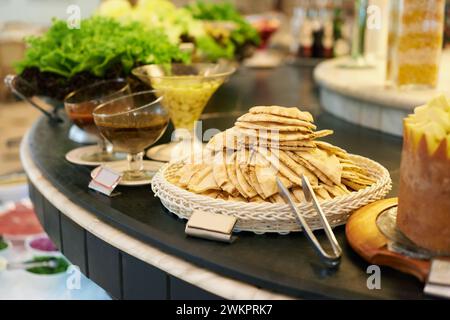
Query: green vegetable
{"type": "Point", "coordinates": [226, 11]}
{"type": "Point", "coordinates": [99, 44]}
{"type": "Point", "coordinates": [3, 244]}
{"type": "Point", "coordinates": [214, 50]}
{"type": "Point", "coordinates": [61, 265]}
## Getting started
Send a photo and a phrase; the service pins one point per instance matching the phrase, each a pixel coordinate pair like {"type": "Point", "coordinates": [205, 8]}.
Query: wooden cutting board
{"type": "Point", "coordinates": [367, 240]}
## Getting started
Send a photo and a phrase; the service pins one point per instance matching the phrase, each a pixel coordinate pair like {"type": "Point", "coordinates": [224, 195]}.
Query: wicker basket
{"type": "Point", "coordinates": [270, 217]}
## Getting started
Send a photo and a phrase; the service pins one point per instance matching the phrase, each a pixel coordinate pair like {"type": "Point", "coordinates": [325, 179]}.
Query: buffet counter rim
{"type": "Point", "coordinates": [203, 278]}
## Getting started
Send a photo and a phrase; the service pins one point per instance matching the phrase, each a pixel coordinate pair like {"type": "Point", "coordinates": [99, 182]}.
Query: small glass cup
{"type": "Point", "coordinates": [81, 103]}
{"type": "Point", "coordinates": [133, 123]}
{"type": "Point", "coordinates": [187, 89]}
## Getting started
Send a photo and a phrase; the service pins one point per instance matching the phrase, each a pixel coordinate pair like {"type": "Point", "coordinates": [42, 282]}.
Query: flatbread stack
{"type": "Point", "coordinates": [242, 163]}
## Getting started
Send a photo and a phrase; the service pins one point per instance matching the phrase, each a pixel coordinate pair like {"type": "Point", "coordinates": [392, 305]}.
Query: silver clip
{"type": "Point", "coordinates": [329, 259]}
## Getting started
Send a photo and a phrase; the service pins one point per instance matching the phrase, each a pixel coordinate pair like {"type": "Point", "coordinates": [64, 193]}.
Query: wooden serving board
{"type": "Point", "coordinates": [367, 240]}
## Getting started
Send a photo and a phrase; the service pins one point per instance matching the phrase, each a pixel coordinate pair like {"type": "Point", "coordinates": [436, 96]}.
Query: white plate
{"type": "Point", "coordinates": [75, 156]}
{"type": "Point", "coordinates": [161, 152]}
{"type": "Point", "coordinates": [121, 166]}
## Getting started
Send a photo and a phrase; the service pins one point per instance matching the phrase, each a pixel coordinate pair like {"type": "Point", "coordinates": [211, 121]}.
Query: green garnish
{"type": "Point", "coordinates": [99, 44]}
{"type": "Point", "coordinates": [3, 244]}
{"type": "Point", "coordinates": [226, 11]}
{"type": "Point", "coordinates": [61, 265]}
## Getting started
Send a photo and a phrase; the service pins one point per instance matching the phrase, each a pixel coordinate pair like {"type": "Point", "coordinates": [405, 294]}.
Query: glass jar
{"type": "Point", "coordinates": [415, 43]}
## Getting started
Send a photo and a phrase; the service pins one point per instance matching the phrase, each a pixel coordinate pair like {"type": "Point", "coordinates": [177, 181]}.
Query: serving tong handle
{"type": "Point", "coordinates": [330, 259]}
{"type": "Point", "coordinates": [7, 265]}
{"type": "Point", "coordinates": [10, 80]}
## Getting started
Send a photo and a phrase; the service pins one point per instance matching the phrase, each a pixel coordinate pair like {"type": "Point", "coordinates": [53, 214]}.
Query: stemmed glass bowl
{"type": "Point", "coordinates": [187, 89]}
{"type": "Point", "coordinates": [81, 103]}
{"type": "Point", "coordinates": [132, 123]}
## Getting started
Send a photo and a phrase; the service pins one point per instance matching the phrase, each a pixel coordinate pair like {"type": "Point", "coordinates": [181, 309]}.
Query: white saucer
{"type": "Point", "coordinates": [173, 151]}
{"type": "Point", "coordinates": [75, 156]}
{"type": "Point", "coordinates": [161, 152]}
{"type": "Point", "coordinates": [263, 59]}
{"type": "Point", "coordinates": [121, 166]}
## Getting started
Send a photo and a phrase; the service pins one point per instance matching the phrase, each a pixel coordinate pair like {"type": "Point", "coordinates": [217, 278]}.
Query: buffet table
{"type": "Point", "coordinates": [133, 248]}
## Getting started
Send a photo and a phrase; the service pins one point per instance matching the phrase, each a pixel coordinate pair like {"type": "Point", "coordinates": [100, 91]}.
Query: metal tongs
{"type": "Point", "coordinates": [331, 260]}
{"type": "Point", "coordinates": [11, 82]}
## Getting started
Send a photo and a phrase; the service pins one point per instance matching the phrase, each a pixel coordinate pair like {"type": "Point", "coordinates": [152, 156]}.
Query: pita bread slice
{"type": "Point", "coordinates": [276, 198]}
{"type": "Point", "coordinates": [328, 147]}
{"type": "Point", "coordinates": [221, 174]}
{"type": "Point", "coordinates": [219, 169]}
{"type": "Point", "coordinates": [187, 172]}
{"type": "Point", "coordinates": [207, 183]}
{"type": "Point", "coordinates": [262, 117]}
{"type": "Point", "coordinates": [272, 126]}
{"type": "Point", "coordinates": [298, 194]}
{"type": "Point", "coordinates": [351, 167]}
{"type": "Point", "coordinates": [292, 112]}
{"type": "Point", "coordinates": [273, 158]}
{"type": "Point", "coordinates": [265, 176]}
{"type": "Point", "coordinates": [238, 198]}
{"type": "Point", "coordinates": [358, 177]}
{"type": "Point", "coordinates": [322, 193]}
{"type": "Point", "coordinates": [223, 140]}
{"type": "Point", "coordinates": [211, 193]}
{"type": "Point", "coordinates": [329, 165]}
{"type": "Point", "coordinates": [251, 172]}
{"type": "Point", "coordinates": [231, 172]}
{"type": "Point", "coordinates": [256, 199]}
{"type": "Point", "coordinates": [353, 185]}
{"type": "Point", "coordinates": [265, 135]}
{"type": "Point", "coordinates": [334, 190]}
{"type": "Point", "coordinates": [297, 168]}
{"type": "Point", "coordinates": [318, 175]}
{"type": "Point", "coordinates": [247, 190]}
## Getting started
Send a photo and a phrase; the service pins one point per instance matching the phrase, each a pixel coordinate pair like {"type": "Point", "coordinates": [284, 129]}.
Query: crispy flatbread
{"type": "Point", "coordinates": [231, 172]}
{"type": "Point", "coordinates": [256, 199]}
{"type": "Point", "coordinates": [322, 193]}
{"type": "Point", "coordinates": [208, 182]}
{"type": "Point", "coordinates": [187, 172]}
{"type": "Point", "coordinates": [265, 176]}
{"type": "Point", "coordinates": [276, 198]}
{"type": "Point", "coordinates": [322, 177]}
{"type": "Point", "coordinates": [353, 185]}
{"type": "Point", "coordinates": [211, 193]}
{"type": "Point", "coordinates": [284, 112]}
{"type": "Point", "coordinates": [247, 190]}
{"type": "Point", "coordinates": [262, 117]}
{"type": "Point", "coordinates": [220, 169]}
{"type": "Point", "coordinates": [278, 164]}
{"type": "Point", "coordinates": [297, 168]}
{"type": "Point", "coordinates": [298, 194]}
{"type": "Point", "coordinates": [272, 126]}
{"type": "Point", "coordinates": [341, 153]}
{"type": "Point", "coordinates": [264, 135]}
{"type": "Point", "coordinates": [328, 164]}
{"type": "Point", "coordinates": [223, 140]}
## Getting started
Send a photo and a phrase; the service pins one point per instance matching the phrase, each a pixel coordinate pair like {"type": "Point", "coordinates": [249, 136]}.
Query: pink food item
{"type": "Point", "coordinates": [20, 221]}
{"type": "Point", "coordinates": [43, 244]}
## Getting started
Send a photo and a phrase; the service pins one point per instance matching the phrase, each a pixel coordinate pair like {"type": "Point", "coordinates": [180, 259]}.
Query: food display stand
{"type": "Point", "coordinates": [132, 247]}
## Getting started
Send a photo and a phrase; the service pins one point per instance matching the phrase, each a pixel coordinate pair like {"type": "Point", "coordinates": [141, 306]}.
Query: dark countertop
{"type": "Point", "coordinates": [285, 264]}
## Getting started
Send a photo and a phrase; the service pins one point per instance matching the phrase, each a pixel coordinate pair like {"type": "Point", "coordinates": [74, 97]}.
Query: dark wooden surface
{"type": "Point", "coordinates": [284, 264]}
